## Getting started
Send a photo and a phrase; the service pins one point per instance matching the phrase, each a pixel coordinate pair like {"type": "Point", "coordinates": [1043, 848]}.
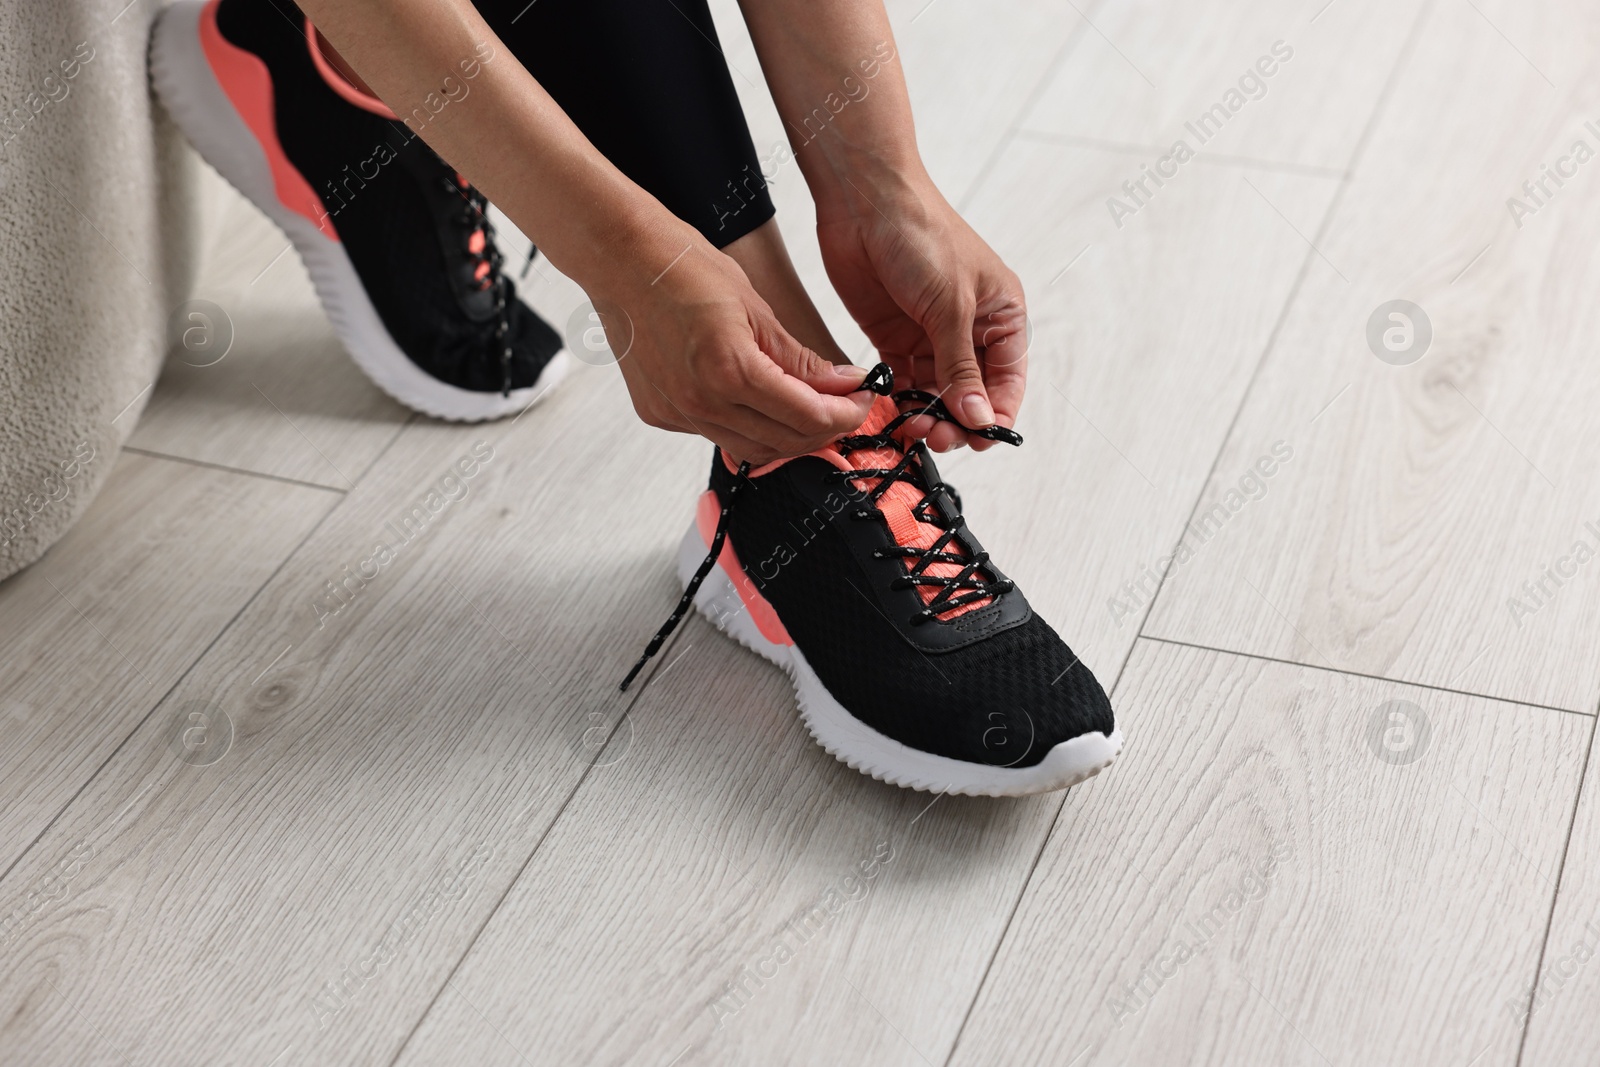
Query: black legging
{"type": "Point", "coordinates": [646, 82]}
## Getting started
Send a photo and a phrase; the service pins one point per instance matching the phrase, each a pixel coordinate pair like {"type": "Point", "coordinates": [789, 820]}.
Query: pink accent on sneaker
{"type": "Point", "coordinates": [897, 504]}
{"type": "Point", "coordinates": [761, 613]}
{"type": "Point", "coordinates": [248, 84]}
{"type": "Point", "coordinates": [338, 82]}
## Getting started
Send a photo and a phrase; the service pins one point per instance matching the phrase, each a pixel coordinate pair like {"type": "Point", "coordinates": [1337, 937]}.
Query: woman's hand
{"type": "Point", "coordinates": [935, 300]}
{"type": "Point", "coordinates": [702, 352]}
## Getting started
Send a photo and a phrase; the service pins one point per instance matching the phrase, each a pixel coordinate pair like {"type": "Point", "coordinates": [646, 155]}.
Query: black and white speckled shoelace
{"type": "Point", "coordinates": [486, 260]}
{"type": "Point", "coordinates": [940, 506]}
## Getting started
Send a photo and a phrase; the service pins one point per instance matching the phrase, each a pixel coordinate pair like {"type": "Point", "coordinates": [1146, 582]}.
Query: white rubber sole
{"type": "Point", "coordinates": [858, 745]}
{"type": "Point", "coordinates": [190, 92]}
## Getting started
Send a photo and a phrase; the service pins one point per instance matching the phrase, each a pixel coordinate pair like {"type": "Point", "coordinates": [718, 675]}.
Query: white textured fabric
{"type": "Point", "coordinates": [97, 233]}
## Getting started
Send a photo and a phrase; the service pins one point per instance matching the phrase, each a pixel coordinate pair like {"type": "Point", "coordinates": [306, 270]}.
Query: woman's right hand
{"type": "Point", "coordinates": [703, 353]}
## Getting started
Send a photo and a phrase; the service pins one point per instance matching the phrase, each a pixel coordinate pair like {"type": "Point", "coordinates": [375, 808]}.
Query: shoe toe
{"type": "Point", "coordinates": [1005, 701]}
{"type": "Point", "coordinates": [467, 354]}
{"type": "Point", "coordinates": [1044, 697]}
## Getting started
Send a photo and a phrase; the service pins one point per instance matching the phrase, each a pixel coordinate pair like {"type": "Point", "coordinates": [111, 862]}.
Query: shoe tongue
{"type": "Point", "coordinates": [883, 411]}
{"type": "Point", "coordinates": [898, 501]}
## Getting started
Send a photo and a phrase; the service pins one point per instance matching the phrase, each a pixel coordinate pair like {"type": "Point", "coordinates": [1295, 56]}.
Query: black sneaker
{"type": "Point", "coordinates": [402, 254]}
{"type": "Point", "coordinates": [916, 660]}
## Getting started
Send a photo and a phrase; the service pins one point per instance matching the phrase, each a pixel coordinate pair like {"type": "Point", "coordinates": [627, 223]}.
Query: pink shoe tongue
{"type": "Point", "coordinates": [897, 504]}
{"type": "Point", "coordinates": [882, 413]}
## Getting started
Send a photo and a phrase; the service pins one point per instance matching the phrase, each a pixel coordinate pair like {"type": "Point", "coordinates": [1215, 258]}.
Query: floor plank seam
{"type": "Point", "coordinates": [1017, 904]}
{"type": "Point", "coordinates": [1555, 899]}
{"type": "Point", "coordinates": [411, 418]}
{"type": "Point", "coordinates": [1215, 159]}
{"type": "Point", "coordinates": [179, 680]}
{"type": "Point", "coordinates": [208, 465]}
{"type": "Point", "coordinates": [1000, 941]}
{"type": "Point", "coordinates": [1286, 866]}
{"type": "Point", "coordinates": [1328, 215]}
{"type": "Point", "coordinates": [1029, 103]}
{"type": "Point", "coordinates": [1332, 211]}
{"type": "Point", "coordinates": [1370, 677]}
{"type": "Point", "coordinates": [555, 820]}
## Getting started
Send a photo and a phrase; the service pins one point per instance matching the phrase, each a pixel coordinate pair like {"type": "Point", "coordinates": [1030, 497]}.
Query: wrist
{"type": "Point", "coordinates": [892, 186]}
{"type": "Point", "coordinates": [625, 246]}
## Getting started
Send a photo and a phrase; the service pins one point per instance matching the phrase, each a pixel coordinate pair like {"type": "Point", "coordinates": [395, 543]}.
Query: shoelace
{"type": "Point", "coordinates": [879, 380]}
{"type": "Point", "coordinates": [953, 591]}
{"type": "Point", "coordinates": [484, 255]}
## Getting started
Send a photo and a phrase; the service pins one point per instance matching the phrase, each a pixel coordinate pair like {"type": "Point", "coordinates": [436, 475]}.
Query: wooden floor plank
{"type": "Point", "coordinates": [1296, 83]}
{"type": "Point", "coordinates": [1425, 502]}
{"type": "Point", "coordinates": [407, 848]}
{"type": "Point", "coordinates": [98, 630]}
{"type": "Point", "coordinates": [1557, 1007]}
{"type": "Point", "coordinates": [394, 760]}
{"type": "Point", "coordinates": [1276, 872]}
{"type": "Point", "coordinates": [972, 68]}
{"type": "Point", "coordinates": [674, 890]}
{"type": "Point", "coordinates": [720, 822]}
{"type": "Point", "coordinates": [1124, 411]}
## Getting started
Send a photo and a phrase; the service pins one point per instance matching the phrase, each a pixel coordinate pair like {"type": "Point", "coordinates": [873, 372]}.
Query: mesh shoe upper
{"type": "Point", "coordinates": [413, 230]}
{"type": "Point", "coordinates": [986, 682]}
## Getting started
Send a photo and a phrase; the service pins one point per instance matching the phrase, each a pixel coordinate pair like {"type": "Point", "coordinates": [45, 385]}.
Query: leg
{"type": "Point", "coordinates": [766, 263]}
{"type": "Point", "coordinates": [403, 258]}
{"type": "Point", "coordinates": [675, 80]}
{"type": "Point", "coordinates": [667, 115]}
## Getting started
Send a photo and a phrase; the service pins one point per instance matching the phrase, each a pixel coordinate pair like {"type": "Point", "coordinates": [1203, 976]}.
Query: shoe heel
{"type": "Point", "coordinates": [719, 601]}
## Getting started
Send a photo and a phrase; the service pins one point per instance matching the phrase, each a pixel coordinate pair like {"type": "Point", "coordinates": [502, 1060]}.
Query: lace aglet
{"type": "Point", "coordinates": [879, 380]}
{"type": "Point", "coordinates": [650, 650]}
{"type": "Point", "coordinates": [637, 667]}
{"type": "Point", "coordinates": [527, 264]}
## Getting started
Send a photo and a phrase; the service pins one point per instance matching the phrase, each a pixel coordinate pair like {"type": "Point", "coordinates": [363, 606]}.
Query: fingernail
{"type": "Point", "coordinates": [849, 372]}
{"type": "Point", "coordinates": [977, 411]}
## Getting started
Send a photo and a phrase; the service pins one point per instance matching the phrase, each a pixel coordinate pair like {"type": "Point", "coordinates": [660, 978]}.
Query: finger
{"type": "Point", "coordinates": [770, 387]}
{"type": "Point", "coordinates": [946, 437]}
{"type": "Point", "coordinates": [905, 377]}
{"type": "Point", "coordinates": [941, 436]}
{"type": "Point", "coordinates": [663, 413]}
{"type": "Point", "coordinates": [777, 438]}
{"type": "Point", "coordinates": [904, 367]}
{"type": "Point", "coordinates": [1005, 366]}
{"type": "Point", "coordinates": [798, 361]}
{"type": "Point", "coordinates": [956, 362]}
{"type": "Point", "coordinates": [830, 379]}
{"type": "Point", "coordinates": [762, 435]}
{"type": "Point", "coordinates": [738, 446]}
{"type": "Point", "coordinates": [1006, 387]}
{"type": "Point", "coordinates": [740, 449]}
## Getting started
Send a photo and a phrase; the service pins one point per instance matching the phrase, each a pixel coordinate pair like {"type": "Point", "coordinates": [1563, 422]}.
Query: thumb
{"type": "Point", "coordinates": [955, 364]}
{"type": "Point", "coordinates": [798, 361]}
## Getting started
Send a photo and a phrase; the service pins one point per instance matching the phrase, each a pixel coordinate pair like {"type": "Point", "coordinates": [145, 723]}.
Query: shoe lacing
{"type": "Point", "coordinates": [484, 255]}
{"type": "Point", "coordinates": [954, 591]}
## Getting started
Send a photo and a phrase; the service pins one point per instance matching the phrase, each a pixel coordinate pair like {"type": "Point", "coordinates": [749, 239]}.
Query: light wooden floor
{"type": "Point", "coordinates": [428, 830]}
